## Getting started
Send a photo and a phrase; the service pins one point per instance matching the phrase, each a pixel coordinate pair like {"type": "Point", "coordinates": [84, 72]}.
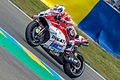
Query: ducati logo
{"type": "Point", "coordinates": [58, 39]}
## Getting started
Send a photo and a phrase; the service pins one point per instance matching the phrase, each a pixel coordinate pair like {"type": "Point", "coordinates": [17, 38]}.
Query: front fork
{"type": "Point", "coordinates": [41, 29]}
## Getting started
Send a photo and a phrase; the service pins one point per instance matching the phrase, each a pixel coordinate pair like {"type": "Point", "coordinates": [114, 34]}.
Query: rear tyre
{"type": "Point", "coordinates": [31, 35]}
{"type": "Point", "coordinates": [74, 71]}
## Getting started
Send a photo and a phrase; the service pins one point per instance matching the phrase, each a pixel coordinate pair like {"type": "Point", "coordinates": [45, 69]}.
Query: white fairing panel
{"type": "Point", "coordinates": [57, 41]}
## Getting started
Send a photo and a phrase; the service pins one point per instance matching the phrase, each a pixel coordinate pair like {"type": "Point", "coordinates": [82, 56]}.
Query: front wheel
{"type": "Point", "coordinates": [32, 36]}
{"type": "Point", "coordinates": [74, 71]}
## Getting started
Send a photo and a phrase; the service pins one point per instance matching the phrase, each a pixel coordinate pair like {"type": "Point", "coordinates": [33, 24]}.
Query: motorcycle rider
{"type": "Point", "coordinates": [60, 14]}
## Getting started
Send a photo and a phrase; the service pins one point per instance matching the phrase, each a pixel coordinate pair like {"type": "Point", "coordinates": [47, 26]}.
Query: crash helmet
{"type": "Point", "coordinates": [60, 8]}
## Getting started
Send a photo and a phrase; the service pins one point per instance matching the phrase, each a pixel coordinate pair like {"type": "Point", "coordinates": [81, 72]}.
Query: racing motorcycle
{"type": "Point", "coordinates": [46, 32]}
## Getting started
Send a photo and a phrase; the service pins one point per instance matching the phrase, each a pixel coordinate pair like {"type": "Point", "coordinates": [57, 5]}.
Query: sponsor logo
{"type": "Point", "coordinates": [58, 39]}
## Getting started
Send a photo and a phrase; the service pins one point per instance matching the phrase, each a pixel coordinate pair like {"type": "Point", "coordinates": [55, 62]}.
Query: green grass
{"type": "Point", "coordinates": [100, 60]}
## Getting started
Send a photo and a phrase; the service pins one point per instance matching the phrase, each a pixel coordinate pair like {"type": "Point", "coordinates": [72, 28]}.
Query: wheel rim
{"type": "Point", "coordinates": [34, 35]}
{"type": "Point", "coordinates": [77, 70]}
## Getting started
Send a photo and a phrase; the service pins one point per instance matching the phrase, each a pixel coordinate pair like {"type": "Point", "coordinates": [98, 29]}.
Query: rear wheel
{"type": "Point", "coordinates": [33, 38]}
{"type": "Point", "coordinates": [72, 70]}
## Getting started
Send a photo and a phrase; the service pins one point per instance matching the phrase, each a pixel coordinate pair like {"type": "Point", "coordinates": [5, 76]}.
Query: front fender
{"type": "Point", "coordinates": [44, 21]}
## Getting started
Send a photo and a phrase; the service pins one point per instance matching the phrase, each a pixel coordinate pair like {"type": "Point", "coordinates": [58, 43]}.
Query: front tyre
{"type": "Point", "coordinates": [31, 36]}
{"type": "Point", "coordinates": [74, 71]}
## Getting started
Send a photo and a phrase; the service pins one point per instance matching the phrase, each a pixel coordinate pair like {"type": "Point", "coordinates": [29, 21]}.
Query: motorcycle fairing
{"type": "Point", "coordinates": [57, 41]}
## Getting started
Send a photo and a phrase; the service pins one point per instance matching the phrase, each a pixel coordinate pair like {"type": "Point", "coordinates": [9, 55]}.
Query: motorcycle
{"type": "Point", "coordinates": [46, 32]}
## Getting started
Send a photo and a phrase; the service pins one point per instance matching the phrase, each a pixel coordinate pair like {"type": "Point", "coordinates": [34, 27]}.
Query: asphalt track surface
{"type": "Point", "coordinates": [14, 22]}
{"type": "Point", "coordinates": [12, 69]}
